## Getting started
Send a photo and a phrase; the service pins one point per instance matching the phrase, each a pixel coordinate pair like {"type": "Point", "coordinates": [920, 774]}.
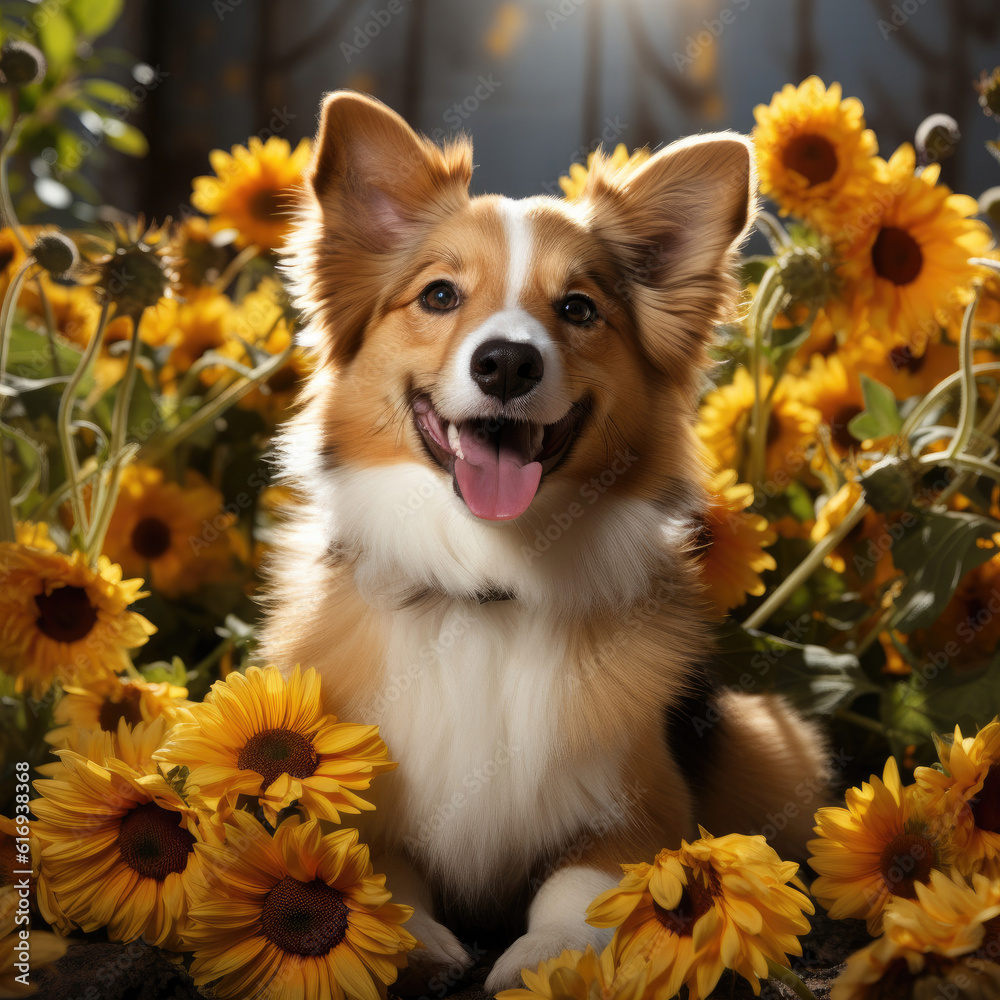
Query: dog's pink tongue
{"type": "Point", "coordinates": [496, 477]}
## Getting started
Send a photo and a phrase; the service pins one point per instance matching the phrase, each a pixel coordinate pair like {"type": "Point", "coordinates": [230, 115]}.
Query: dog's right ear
{"type": "Point", "coordinates": [376, 180]}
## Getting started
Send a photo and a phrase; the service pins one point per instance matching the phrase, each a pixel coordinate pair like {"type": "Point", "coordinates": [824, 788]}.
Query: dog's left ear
{"type": "Point", "coordinates": [675, 224]}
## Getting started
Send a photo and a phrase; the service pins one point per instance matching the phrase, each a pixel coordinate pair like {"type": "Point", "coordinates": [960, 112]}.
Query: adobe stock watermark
{"type": "Point", "coordinates": [697, 44]}
{"type": "Point", "coordinates": [611, 130]}
{"type": "Point", "coordinates": [590, 492]}
{"type": "Point", "coordinates": [365, 32]}
{"type": "Point", "coordinates": [899, 14]}
{"type": "Point", "coordinates": [461, 111]}
{"type": "Point", "coordinates": [562, 12]}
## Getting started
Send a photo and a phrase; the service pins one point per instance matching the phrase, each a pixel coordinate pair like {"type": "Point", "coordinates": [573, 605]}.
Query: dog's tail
{"type": "Point", "coordinates": [761, 769]}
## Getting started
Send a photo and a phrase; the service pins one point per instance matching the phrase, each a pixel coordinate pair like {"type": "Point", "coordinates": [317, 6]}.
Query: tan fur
{"type": "Point", "coordinates": [387, 213]}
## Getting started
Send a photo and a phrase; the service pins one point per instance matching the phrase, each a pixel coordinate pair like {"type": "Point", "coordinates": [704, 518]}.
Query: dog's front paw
{"type": "Point", "coordinates": [438, 962]}
{"type": "Point", "coordinates": [540, 945]}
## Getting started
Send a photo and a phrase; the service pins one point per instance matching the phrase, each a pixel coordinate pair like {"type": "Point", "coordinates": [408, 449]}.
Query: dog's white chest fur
{"type": "Point", "coordinates": [473, 708]}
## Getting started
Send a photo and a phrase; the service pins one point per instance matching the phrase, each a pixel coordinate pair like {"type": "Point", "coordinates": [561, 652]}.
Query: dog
{"type": "Point", "coordinates": [495, 552]}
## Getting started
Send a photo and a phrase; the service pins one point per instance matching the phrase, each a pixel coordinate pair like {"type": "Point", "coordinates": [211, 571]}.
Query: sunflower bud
{"type": "Point", "coordinates": [134, 278]}
{"type": "Point", "coordinates": [989, 204]}
{"type": "Point", "coordinates": [988, 88]}
{"type": "Point", "coordinates": [21, 63]}
{"type": "Point", "coordinates": [888, 485]}
{"type": "Point", "coordinates": [56, 253]}
{"type": "Point", "coordinates": [936, 138]}
{"type": "Point", "coordinates": [136, 271]}
{"type": "Point", "coordinates": [806, 274]}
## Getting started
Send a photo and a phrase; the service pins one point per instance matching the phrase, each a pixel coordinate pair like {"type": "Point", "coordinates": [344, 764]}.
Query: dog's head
{"type": "Point", "coordinates": [484, 360]}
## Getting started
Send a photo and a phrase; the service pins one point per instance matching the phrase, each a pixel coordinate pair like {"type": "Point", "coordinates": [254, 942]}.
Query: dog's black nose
{"type": "Point", "coordinates": [506, 368]}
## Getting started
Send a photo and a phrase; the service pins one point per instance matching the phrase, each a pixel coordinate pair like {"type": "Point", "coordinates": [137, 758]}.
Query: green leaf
{"type": "Point", "coordinates": [110, 93]}
{"type": "Point", "coordinates": [30, 356]}
{"type": "Point", "coordinates": [125, 138]}
{"type": "Point", "coordinates": [935, 551]}
{"type": "Point", "coordinates": [880, 417]}
{"type": "Point", "coordinates": [57, 37]}
{"type": "Point", "coordinates": [933, 700]}
{"type": "Point", "coordinates": [94, 17]}
{"type": "Point", "coordinates": [162, 672]}
{"type": "Point", "coordinates": [816, 679]}
{"type": "Point", "coordinates": [753, 269]}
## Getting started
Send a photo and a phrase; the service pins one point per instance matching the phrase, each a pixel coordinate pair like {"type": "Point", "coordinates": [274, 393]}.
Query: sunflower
{"type": "Point", "coordinates": [252, 190]}
{"type": "Point", "coordinates": [583, 974]}
{"type": "Point", "coordinates": [263, 735]}
{"type": "Point", "coordinates": [734, 541]}
{"type": "Point", "coordinates": [905, 371]}
{"type": "Point", "coordinates": [879, 847]}
{"type": "Point", "coordinates": [909, 274]}
{"type": "Point", "coordinates": [74, 308]}
{"type": "Point", "coordinates": [261, 325]}
{"type": "Point", "coordinates": [117, 841]}
{"type": "Point", "coordinates": [814, 154]}
{"type": "Point", "coordinates": [176, 536]}
{"type": "Point", "coordinates": [35, 536]}
{"type": "Point", "coordinates": [61, 619]}
{"type": "Point", "coordinates": [192, 328]}
{"type": "Point", "coordinates": [102, 706]}
{"type": "Point", "coordinates": [12, 256]}
{"type": "Point", "coordinates": [828, 386]}
{"type": "Point", "coordinates": [943, 943]}
{"type": "Point", "coordinates": [297, 915]}
{"type": "Point", "coordinates": [200, 254]}
{"type": "Point", "coordinates": [969, 790]}
{"type": "Point", "coordinates": [620, 161]}
{"type": "Point", "coordinates": [724, 419]}
{"type": "Point", "coordinates": [716, 903]}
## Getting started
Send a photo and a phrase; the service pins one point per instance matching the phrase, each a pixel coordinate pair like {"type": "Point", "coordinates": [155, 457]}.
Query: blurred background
{"type": "Point", "coordinates": [537, 83]}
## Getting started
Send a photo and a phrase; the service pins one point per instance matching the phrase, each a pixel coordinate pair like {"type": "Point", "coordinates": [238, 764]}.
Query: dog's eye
{"type": "Point", "coordinates": [439, 296]}
{"type": "Point", "coordinates": [578, 309]}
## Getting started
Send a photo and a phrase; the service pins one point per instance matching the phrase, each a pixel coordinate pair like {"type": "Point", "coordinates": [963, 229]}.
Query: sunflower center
{"type": "Point", "coordinates": [283, 379]}
{"type": "Point", "coordinates": [903, 357]}
{"type": "Point", "coordinates": [152, 841]}
{"type": "Point", "coordinates": [773, 429]}
{"type": "Point", "coordinates": [896, 256]}
{"type": "Point", "coordinates": [813, 156]}
{"type": "Point", "coordinates": [986, 808]}
{"type": "Point", "coordinates": [151, 538]}
{"type": "Point", "coordinates": [841, 435]}
{"type": "Point", "coordinates": [275, 752]}
{"type": "Point", "coordinates": [907, 859]}
{"type": "Point", "coordinates": [304, 918]}
{"type": "Point", "coordinates": [694, 903]}
{"type": "Point", "coordinates": [265, 203]}
{"type": "Point", "coordinates": [129, 708]}
{"type": "Point", "coordinates": [65, 614]}
{"type": "Point", "coordinates": [896, 983]}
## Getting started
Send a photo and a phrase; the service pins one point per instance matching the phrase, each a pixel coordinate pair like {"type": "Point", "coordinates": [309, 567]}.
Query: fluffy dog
{"type": "Point", "coordinates": [494, 557]}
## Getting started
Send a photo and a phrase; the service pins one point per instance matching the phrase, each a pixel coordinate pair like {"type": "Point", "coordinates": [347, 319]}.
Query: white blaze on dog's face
{"type": "Point", "coordinates": [511, 348]}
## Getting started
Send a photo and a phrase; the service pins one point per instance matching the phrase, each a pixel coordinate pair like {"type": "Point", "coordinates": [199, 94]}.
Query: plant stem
{"type": "Point", "coordinates": [7, 519]}
{"type": "Point", "coordinates": [773, 231]}
{"type": "Point", "coordinates": [103, 509]}
{"type": "Point", "coordinates": [6, 203]}
{"type": "Point", "coordinates": [216, 407]}
{"type": "Point", "coordinates": [756, 432]}
{"type": "Point", "coordinates": [64, 423]}
{"type": "Point", "coordinates": [967, 402]}
{"type": "Point", "coordinates": [789, 979]}
{"type": "Point", "coordinates": [855, 718]}
{"type": "Point", "coordinates": [234, 267]}
{"type": "Point", "coordinates": [805, 569]}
